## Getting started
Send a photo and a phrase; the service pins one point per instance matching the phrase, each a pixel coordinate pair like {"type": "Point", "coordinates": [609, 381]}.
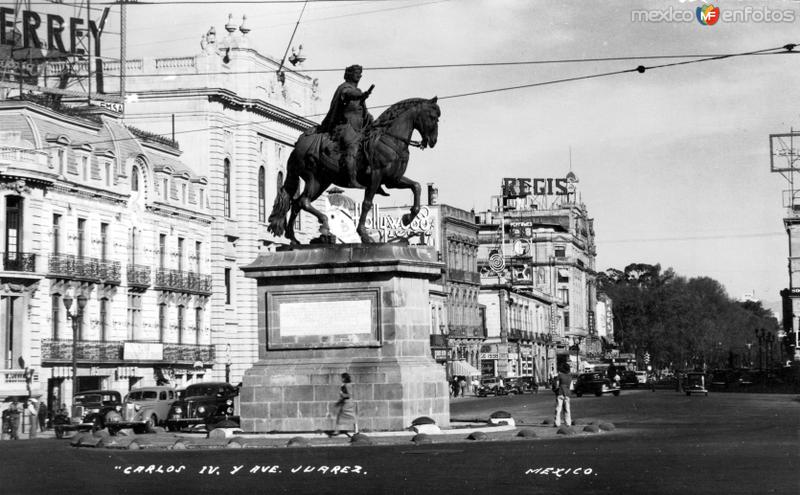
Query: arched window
{"type": "Point", "coordinates": [280, 184]}
{"type": "Point", "coordinates": [226, 189]}
{"type": "Point", "coordinates": [262, 200]}
{"type": "Point", "coordinates": [135, 179]}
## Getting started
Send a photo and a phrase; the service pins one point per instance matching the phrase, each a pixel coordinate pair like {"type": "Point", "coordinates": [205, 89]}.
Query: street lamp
{"type": "Point", "coordinates": [760, 335]}
{"type": "Point", "coordinates": [77, 320]}
{"type": "Point", "coordinates": [749, 359]}
{"type": "Point", "coordinates": [547, 338]}
{"type": "Point", "coordinates": [577, 339]}
{"type": "Point", "coordinates": [770, 341]}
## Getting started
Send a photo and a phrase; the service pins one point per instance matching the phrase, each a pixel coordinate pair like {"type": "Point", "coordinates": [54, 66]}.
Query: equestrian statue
{"type": "Point", "coordinates": [350, 149]}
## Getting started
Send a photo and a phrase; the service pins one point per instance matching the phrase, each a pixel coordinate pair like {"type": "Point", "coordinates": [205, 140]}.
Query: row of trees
{"type": "Point", "coordinates": [683, 322]}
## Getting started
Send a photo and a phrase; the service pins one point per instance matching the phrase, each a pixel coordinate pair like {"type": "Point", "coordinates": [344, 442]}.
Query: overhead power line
{"type": "Point", "coordinates": [640, 69]}
{"type": "Point", "coordinates": [710, 56]}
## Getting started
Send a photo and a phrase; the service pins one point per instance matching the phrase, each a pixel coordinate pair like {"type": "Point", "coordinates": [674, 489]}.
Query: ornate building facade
{"type": "Point", "coordinates": [105, 219]}
{"type": "Point", "coordinates": [237, 117]}
{"type": "Point", "coordinates": [541, 243]}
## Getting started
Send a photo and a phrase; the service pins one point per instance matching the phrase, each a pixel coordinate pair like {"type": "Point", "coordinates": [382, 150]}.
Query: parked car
{"type": "Point", "coordinates": [628, 379]}
{"type": "Point", "coordinates": [595, 383]}
{"type": "Point", "coordinates": [203, 404]}
{"type": "Point", "coordinates": [94, 410]}
{"type": "Point", "coordinates": [492, 386]}
{"type": "Point", "coordinates": [642, 377]}
{"type": "Point", "coordinates": [149, 405]}
{"type": "Point", "coordinates": [519, 385]}
{"type": "Point", "coordinates": [722, 379]}
{"type": "Point", "coordinates": [694, 382]}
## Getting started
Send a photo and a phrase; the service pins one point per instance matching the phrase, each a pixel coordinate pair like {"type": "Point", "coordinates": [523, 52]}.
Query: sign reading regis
{"type": "Point", "coordinates": [521, 187]}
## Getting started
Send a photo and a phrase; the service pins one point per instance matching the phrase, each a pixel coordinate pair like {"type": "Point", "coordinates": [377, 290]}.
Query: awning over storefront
{"type": "Point", "coordinates": [463, 368]}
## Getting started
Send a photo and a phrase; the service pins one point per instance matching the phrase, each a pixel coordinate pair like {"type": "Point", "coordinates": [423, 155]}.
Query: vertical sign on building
{"type": "Point", "coordinates": [553, 318]}
{"type": "Point", "coordinates": [590, 323]}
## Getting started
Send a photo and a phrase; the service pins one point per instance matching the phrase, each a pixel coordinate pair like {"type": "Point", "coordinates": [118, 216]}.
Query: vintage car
{"type": "Point", "coordinates": [694, 382]}
{"type": "Point", "coordinates": [94, 410]}
{"type": "Point", "coordinates": [520, 385]}
{"type": "Point", "coordinates": [149, 405]}
{"type": "Point", "coordinates": [491, 386]}
{"type": "Point", "coordinates": [203, 404]}
{"type": "Point", "coordinates": [595, 383]}
{"type": "Point", "coordinates": [628, 379]}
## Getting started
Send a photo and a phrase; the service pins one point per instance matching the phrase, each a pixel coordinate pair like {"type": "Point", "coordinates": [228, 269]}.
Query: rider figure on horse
{"type": "Point", "coordinates": [347, 118]}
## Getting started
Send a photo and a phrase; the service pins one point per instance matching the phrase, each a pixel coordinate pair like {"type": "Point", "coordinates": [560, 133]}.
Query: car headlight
{"type": "Point", "coordinates": [94, 410]}
{"type": "Point", "coordinates": [118, 407]}
{"type": "Point", "coordinates": [201, 410]}
{"type": "Point", "coordinates": [137, 407]}
{"type": "Point", "coordinates": [229, 402]}
{"type": "Point", "coordinates": [177, 409]}
{"type": "Point", "coordinates": [230, 410]}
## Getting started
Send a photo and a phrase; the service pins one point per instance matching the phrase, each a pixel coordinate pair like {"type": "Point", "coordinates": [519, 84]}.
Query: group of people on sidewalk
{"type": "Point", "coordinates": [13, 415]}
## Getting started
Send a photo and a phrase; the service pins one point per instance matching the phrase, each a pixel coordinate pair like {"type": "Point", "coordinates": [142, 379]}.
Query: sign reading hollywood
{"type": "Point", "coordinates": [391, 226]}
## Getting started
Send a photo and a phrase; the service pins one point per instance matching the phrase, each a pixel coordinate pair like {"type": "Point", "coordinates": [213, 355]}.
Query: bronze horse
{"type": "Point", "coordinates": [382, 161]}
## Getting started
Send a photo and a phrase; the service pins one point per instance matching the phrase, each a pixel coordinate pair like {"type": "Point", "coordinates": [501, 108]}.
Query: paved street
{"type": "Point", "coordinates": [665, 442]}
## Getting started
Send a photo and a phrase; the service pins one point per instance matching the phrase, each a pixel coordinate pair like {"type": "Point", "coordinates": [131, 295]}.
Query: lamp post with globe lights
{"type": "Point", "coordinates": [77, 321]}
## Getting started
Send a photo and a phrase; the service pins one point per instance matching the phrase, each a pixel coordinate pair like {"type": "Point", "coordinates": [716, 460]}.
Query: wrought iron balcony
{"type": "Point", "coordinates": [84, 268]}
{"type": "Point", "coordinates": [138, 276]}
{"type": "Point", "coordinates": [19, 262]}
{"type": "Point", "coordinates": [87, 351]}
{"type": "Point", "coordinates": [466, 331]}
{"type": "Point", "coordinates": [60, 350]}
{"type": "Point", "coordinates": [182, 281]}
{"type": "Point", "coordinates": [188, 353]}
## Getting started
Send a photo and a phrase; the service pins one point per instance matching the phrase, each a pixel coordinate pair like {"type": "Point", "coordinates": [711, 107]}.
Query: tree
{"type": "Point", "coordinates": [680, 322]}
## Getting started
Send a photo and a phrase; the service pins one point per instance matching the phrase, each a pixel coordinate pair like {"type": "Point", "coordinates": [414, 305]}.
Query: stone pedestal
{"type": "Point", "coordinates": [326, 310]}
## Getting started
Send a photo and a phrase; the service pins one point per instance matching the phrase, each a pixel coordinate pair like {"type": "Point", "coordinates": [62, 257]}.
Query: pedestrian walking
{"type": "Point", "coordinates": [32, 411]}
{"type": "Point", "coordinates": [345, 408]}
{"type": "Point", "coordinates": [13, 420]}
{"type": "Point", "coordinates": [42, 416]}
{"type": "Point", "coordinates": [462, 383]}
{"type": "Point", "coordinates": [561, 388]}
{"type": "Point", "coordinates": [476, 384]}
{"type": "Point", "coordinates": [5, 433]}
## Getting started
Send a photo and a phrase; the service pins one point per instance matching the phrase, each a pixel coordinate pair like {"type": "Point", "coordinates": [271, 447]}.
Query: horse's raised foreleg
{"type": "Point", "coordinates": [406, 183]}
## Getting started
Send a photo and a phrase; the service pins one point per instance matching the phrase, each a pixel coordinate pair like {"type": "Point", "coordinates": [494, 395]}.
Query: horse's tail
{"type": "Point", "coordinates": [277, 218]}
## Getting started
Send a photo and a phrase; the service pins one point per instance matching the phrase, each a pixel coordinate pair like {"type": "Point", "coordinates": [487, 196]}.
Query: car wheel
{"type": "Point", "coordinates": [151, 422]}
{"type": "Point", "coordinates": [616, 393]}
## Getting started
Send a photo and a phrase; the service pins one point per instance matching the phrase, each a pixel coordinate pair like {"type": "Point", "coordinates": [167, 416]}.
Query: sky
{"type": "Point", "coordinates": [673, 163]}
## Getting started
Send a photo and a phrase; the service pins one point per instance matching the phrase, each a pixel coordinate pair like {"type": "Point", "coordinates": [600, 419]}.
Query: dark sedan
{"type": "Point", "coordinates": [595, 383]}
{"type": "Point", "coordinates": [203, 404]}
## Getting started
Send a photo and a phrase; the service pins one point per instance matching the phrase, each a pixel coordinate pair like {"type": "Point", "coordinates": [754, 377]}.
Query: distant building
{"type": "Point", "coordinates": [538, 239]}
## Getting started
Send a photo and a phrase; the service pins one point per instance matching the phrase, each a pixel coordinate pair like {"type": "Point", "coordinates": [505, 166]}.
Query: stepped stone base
{"type": "Point", "coordinates": [360, 309]}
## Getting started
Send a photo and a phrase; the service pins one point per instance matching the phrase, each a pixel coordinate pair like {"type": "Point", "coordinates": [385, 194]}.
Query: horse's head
{"type": "Point", "coordinates": [427, 122]}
